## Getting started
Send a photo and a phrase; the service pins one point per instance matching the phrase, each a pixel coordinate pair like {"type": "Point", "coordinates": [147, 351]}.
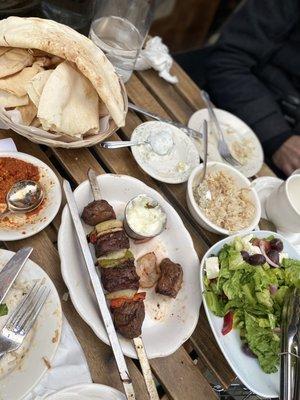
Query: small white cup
{"type": "Point", "coordinates": [283, 205]}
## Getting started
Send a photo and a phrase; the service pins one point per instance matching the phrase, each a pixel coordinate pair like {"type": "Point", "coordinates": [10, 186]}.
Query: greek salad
{"type": "Point", "coordinates": [246, 284]}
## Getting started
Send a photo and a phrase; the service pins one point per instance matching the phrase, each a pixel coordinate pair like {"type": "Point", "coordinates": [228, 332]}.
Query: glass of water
{"type": "Point", "coordinates": [119, 28]}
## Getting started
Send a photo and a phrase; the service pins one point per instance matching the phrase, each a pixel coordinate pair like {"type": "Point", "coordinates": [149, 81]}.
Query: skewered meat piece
{"type": "Point", "coordinates": [147, 269]}
{"type": "Point", "coordinates": [97, 211]}
{"type": "Point", "coordinates": [128, 318]}
{"type": "Point", "coordinates": [111, 242]}
{"type": "Point", "coordinates": [120, 278]}
{"type": "Point", "coordinates": [170, 281]}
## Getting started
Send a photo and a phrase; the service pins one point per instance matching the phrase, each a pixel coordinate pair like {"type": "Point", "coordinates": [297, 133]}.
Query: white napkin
{"type": "Point", "coordinates": [156, 55]}
{"type": "Point", "coordinates": [68, 368]}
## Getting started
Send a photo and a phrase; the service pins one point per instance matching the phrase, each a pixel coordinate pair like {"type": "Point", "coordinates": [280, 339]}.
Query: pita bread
{"type": "Point", "coordinates": [13, 61]}
{"type": "Point", "coordinates": [8, 100]}
{"type": "Point", "coordinates": [36, 85]}
{"type": "Point", "coordinates": [64, 42]}
{"type": "Point", "coordinates": [17, 83]}
{"type": "Point", "coordinates": [28, 113]}
{"type": "Point", "coordinates": [4, 50]}
{"type": "Point", "coordinates": [69, 103]}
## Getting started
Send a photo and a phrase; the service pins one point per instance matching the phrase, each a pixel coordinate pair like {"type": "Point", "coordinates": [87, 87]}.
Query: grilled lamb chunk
{"type": "Point", "coordinates": [111, 242]}
{"type": "Point", "coordinates": [170, 280]}
{"type": "Point", "coordinates": [97, 211]}
{"type": "Point", "coordinates": [128, 318]}
{"type": "Point", "coordinates": [120, 278]}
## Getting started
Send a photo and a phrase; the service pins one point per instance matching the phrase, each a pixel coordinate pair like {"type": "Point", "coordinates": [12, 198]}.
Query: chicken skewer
{"type": "Point", "coordinates": [139, 306]}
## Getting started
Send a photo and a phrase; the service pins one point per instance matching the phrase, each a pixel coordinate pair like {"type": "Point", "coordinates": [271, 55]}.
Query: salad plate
{"type": "Point", "coordinates": [168, 322]}
{"type": "Point", "coordinates": [257, 315]}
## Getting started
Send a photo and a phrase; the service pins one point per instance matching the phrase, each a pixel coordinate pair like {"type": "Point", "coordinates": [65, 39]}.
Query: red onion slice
{"type": "Point", "coordinates": [262, 246]}
{"type": "Point", "coordinates": [273, 289]}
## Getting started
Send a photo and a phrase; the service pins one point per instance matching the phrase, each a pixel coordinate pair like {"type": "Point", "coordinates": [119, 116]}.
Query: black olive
{"type": "Point", "coordinates": [273, 256]}
{"type": "Point", "coordinates": [257, 259]}
{"type": "Point", "coordinates": [245, 255]}
{"type": "Point", "coordinates": [246, 349]}
{"type": "Point", "coordinates": [276, 244]}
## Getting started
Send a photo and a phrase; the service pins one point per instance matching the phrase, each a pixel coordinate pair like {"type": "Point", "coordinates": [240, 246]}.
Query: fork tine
{"type": "Point", "coordinates": [36, 310]}
{"type": "Point", "coordinates": [19, 311]}
{"type": "Point", "coordinates": [29, 309]}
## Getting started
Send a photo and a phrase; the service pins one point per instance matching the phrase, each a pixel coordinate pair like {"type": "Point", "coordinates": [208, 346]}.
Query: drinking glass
{"type": "Point", "coordinates": [119, 28]}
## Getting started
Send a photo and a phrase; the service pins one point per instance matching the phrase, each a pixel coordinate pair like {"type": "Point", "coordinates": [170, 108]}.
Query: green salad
{"type": "Point", "coordinates": [246, 284]}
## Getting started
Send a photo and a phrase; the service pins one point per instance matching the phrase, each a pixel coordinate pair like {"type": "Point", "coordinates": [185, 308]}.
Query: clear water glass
{"type": "Point", "coordinates": [119, 28]}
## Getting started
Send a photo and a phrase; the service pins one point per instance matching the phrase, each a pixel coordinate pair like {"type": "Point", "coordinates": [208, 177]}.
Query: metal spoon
{"type": "Point", "coordinates": [24, 196]}
{"type": "Point", "coordinates": [203, 188]}
{"type": "Point", "coordinates": [154, 140]}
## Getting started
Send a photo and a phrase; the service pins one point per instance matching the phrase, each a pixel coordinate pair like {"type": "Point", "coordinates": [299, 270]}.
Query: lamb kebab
{"type": "Point", "coordinates": [118, 275]}
{"type": "Point", "coordinates": [117, 269]}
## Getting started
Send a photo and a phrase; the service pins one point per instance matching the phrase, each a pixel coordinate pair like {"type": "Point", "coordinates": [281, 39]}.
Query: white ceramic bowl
{"type": "Point", "coordinates": [240, 180]}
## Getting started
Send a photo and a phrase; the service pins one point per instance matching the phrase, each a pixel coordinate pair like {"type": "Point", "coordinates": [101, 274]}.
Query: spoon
{"type": "Point", "coordinates": [161, 144]}
{"type": "Point", "coordinates": [203, 188]}
{"type": "Point", "coordinates": [24, 196]}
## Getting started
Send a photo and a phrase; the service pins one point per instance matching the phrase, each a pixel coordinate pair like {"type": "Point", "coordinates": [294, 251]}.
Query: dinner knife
{"type": "Point", "coordinates": [12, 269]}
{"type": "Point", "coordinates": [138, 341]}
{"type": "Point", "coordinates": [99, 293]}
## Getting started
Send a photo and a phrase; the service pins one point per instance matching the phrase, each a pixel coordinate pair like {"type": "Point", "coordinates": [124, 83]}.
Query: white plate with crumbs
{"type": "Point", "coordinates": [173, 167]}
{"type": "Point", "coordinates": [169, 322]}
{"type": "Point", "coordinates": [242, 141]}
{"type": "Point", "coordinates": [16, 226]}
{"type": "Point", "coordinates": [90, 391]}
{"type": "Point", "coordinates": [20, 371]}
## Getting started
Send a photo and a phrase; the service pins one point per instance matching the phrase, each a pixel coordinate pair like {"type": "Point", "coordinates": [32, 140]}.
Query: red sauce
{"type": "Point", "coordinates": [13, 170]}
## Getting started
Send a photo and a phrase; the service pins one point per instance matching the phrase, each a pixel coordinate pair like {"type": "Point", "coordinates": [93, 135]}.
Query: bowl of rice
{"type": "Point", "coordinates": [234, 206]}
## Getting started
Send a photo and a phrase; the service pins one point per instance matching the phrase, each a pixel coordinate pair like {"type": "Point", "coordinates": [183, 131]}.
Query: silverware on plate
{"type": "Point", "coordinates": [11, 270]}
{"type": "Point", "coordinates": [22, 319]}
{"type": "Point", "coordinates": [188, 131]}
{"type": "Point", "coordinates": [138, 341]}
{"type": "Point", "coordinates": [98, 290]}
{"type": "Point", "coordinates": [222, 145]}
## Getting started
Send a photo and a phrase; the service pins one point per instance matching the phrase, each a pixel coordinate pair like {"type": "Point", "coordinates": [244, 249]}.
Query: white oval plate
{"type": "Point", "coordinates": [174, 167]}
{"type": "Point", "coordinates": [45, 341]}
{"type": "Point", "coordinates": [23, 227]}
{"type": "Point", "coordinates": [176, 319]}
{"type": "Point", "coordinates": [246, 368]}
{"type": "Point", "coordinates": [90, 391]}
{"type": "Point", "coordinates": [235, 131]}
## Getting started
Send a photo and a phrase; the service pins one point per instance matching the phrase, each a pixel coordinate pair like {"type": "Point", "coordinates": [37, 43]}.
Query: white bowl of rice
{"type": "Point", "coordinates": [234, 205]}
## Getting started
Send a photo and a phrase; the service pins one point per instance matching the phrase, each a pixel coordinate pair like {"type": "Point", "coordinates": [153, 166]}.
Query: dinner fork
{"type": "Point", "coordinates": [222, 145]}
{"type": "Point", "coordinates": [22, 319]}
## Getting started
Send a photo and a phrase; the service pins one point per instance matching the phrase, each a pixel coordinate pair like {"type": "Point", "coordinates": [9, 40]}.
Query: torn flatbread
{"type": "Point", "coordinates": [69, 103]}
{"type": "Point", "coordinates": [17, 83]}
{"type": "Point", "coordinates": [36, 85]}
{"type": "Point", "coordinates": [28, 113]}
{"type": "Point", "coordinates": [62, 41]}
{"type": "Point", "coordinates": [13, 61]}
{"type": "Point", "coordinates": [8, 100]}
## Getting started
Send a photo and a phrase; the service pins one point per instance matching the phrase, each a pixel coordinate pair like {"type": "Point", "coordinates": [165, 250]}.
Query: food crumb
{"type": "Point", "coordinates": [55, 337]}
{"type": "Point", "coordinates": [47, 363]}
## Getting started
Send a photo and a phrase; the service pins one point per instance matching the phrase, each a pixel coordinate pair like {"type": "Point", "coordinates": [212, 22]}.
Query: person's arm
{"type": "Point", "coordinates": [253, 33]}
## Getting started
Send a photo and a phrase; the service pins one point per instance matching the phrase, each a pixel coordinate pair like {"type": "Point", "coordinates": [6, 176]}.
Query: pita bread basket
{"type": "Point", "coordinates": [64, 42]}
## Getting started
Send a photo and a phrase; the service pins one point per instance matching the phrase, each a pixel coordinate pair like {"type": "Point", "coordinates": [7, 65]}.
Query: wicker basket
{"type": "Point", "coordinates": [63, 141]}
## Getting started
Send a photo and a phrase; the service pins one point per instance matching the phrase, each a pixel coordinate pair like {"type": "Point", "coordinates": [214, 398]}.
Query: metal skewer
{"type": "Point", "coordinates": [138, 341]}
{"type": "Point", "coordinates": [99, 293]}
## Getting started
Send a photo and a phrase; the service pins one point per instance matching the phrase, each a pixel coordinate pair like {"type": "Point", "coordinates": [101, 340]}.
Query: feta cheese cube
{"type": "Point", "coordinates": [212, 267]}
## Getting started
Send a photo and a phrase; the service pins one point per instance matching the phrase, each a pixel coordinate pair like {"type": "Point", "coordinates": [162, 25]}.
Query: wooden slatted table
{"type": "Point", "coordinates": [181, 376]}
